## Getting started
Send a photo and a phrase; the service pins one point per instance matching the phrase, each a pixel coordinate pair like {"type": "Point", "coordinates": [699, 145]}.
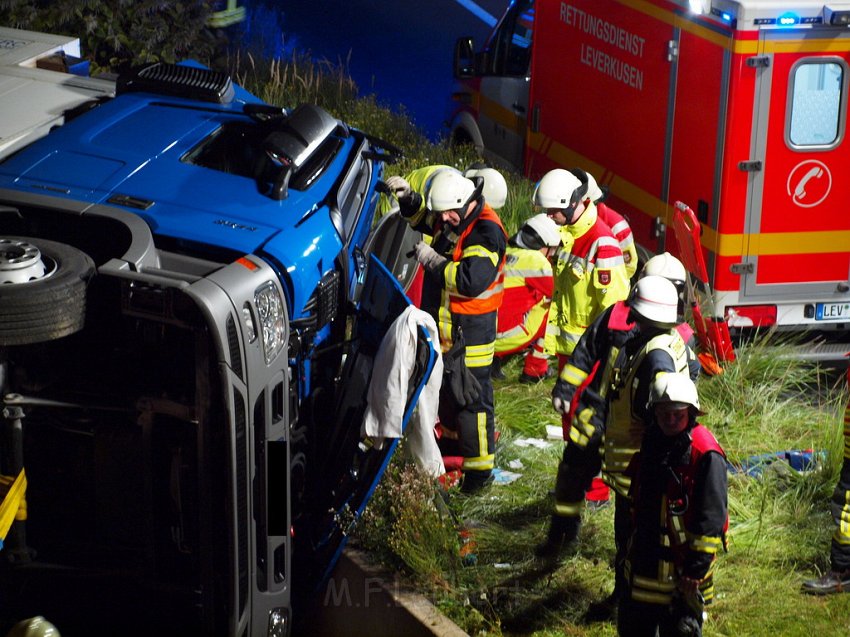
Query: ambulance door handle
{"type": "Point", "coordinates": [749, 166]}
{"type": "Point", "coordinates": [519, 108]}
{"type": "Point", "coordinates": [535, 118]}
{"type": "Point", "coordinates": [759, 61]}
{"type": "Point", "coordinates": [742, 268]}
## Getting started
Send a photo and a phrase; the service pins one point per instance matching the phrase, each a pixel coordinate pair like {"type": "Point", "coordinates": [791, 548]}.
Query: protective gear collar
{"type": "Point", "coordinates": [495, 186]}
{"type": "Point", "coordinates": [538, 232]}
{"type": "Point", "coordinates": [655, 300]}
{"type": "Point", "coordinates": [429, 258]}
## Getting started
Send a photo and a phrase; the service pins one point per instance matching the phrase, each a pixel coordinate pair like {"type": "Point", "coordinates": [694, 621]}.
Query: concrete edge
{"type": "Point", "coordinates": [362, 598]}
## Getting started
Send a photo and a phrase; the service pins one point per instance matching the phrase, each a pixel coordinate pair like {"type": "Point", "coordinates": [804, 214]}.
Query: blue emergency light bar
{"type": "Point", "coordinates": [788, 20]}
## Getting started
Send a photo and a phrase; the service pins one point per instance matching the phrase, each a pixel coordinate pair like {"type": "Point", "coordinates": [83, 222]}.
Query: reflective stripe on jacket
{"type": "Point", "coordinates": [590, 275]}
{"type": "Point", "coordinates": [528, 283]}
{"type": "Point", "coordinates": [623, 234]}
{"type": "Point", "coordinates": [489, 299]}
{"type": "Point", "coordinates": [665, 353]}
{"type": "Point", "coordinates": [688, 490]}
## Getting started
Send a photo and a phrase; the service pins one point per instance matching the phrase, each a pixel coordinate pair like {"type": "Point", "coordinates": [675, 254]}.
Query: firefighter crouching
{"type": "Point", "coordinates": [837, 580]}
{"type": "Point", "coordinates": [679, 479]}
{"type": "Point", "coordinates": [524, 312]}
{"type": "Point", "coordinates": [462, 290]}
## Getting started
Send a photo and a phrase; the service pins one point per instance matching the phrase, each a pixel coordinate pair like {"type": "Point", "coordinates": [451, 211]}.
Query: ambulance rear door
{"type": "Point", "coordinates": [797, 242]}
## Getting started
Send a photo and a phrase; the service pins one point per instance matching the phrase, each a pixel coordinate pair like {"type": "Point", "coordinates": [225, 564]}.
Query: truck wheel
{"type": "Point", "coordinates": [42, 290]}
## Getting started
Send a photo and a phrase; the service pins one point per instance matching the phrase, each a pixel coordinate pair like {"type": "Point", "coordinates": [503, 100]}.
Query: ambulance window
{"type": "Point", "coordinates": [817, 103]}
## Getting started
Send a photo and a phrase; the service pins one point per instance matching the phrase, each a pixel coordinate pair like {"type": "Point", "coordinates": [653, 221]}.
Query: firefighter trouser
{"type": "Point", "coordinates": [532, 332]}
{"type": "Point", "coordinates": [576, 471]}
{"type": "Point", "coordinates": [475, 423]}
{"type": "Point", "coordinates": [840, 506]}
{"type": "Point", "coordinates": [579, 466]}
{"type": "Point", "coordinates": [622, 533]}
{"type": "Point", "coordinates": [641, 619]}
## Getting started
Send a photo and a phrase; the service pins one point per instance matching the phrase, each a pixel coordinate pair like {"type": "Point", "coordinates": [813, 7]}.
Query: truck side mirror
{"type": "Point", "coordinates": [464, 61]}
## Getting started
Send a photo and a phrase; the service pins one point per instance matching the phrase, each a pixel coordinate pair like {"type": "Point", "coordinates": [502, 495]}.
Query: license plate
{"type": "Point", "coordinates": [832, 312]}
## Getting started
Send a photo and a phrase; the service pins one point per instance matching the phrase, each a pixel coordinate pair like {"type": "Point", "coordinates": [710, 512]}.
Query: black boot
{"type": "Point", "coordinates": [563, 531]}
{"type": "Point", "coordinates": [832, 582]}
{"type": "Point", "coordinates": [474, 481]}
{"type": "Point", "coordinates": [496, 372]}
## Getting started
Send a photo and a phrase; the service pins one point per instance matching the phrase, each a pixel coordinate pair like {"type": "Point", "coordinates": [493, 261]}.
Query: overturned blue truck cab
{"type": "Point", "coordinates": [193, 287]}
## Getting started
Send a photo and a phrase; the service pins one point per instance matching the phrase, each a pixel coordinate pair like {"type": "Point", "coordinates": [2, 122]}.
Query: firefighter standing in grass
{"type": "Point", "coordinates": [524, 312]}
{"type": "Point", "coordinates": [837, 580]}
{"type": "Point", "coordinates": [680, 517]}
{"type": "Point", "coordinates": [590, 273]}
{"type": "Point", "coordinates": [619, 226]}
{"type": "Point", "coordinates": [609, 377]}
{"type": "Point", "coordinates": [462, 290]}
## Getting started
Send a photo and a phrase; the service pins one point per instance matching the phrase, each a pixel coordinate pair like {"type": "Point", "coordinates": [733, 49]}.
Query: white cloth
{"type": "Point", "coordinates": [388, 388]}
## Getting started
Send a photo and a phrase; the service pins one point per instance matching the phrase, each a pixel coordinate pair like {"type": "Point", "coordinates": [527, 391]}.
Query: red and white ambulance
{"type": "Point", "coordinates": [737, 108]}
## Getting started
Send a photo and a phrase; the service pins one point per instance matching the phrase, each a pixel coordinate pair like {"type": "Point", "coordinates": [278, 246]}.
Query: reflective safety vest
{"type": "Point", "coordinates": [491, 298]}
{"type": "Point", "coordinates": [624, 430]}
{"type": "Point", "coordinates": [528, 283]}
{"type": "Point", "coordinates": [674, 539]}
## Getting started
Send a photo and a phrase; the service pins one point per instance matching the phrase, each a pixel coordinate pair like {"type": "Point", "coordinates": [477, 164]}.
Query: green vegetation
{"type": "Point", "coordinates": [780, 525]}
{"type": "Point", "coordinates": [764, 402]}
{"type": "Point", "coordinates": [118, 33]}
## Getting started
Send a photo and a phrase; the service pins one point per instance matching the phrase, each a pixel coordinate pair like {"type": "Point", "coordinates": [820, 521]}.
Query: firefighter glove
{"type": "Point", "coordinates": [588, 424]}
{"type": "Point", "coordinates": [561, 396]}
{"type": "Point", "coordinates": [429, 258]}
{"type": "Point", "coordinates": [398, 187]}
{"type": "Point", "coordinates": [464, 387]}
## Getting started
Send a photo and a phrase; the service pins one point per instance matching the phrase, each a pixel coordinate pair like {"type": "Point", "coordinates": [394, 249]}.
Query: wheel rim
{"type": "Point", "coordinates": [22, 262]}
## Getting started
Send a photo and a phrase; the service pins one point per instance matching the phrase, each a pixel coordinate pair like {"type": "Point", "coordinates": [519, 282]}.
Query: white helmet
{"type": "Point", "coordinates": [448, 190]}
{"type": "Point", "coordinates": [538, 232]}
{"type": "Point", "coordinates": [559, 188]}
{"type": "Point", "coordinates": [666, 265]}
{"type": "Point", "coordinates": [674, 388]}
{"type": "Point", "coordinates": [495, 186]}
{"type": "Point", "coordinates": [655, 300]}
{"type": "Point", "coordinates": [594, 192]}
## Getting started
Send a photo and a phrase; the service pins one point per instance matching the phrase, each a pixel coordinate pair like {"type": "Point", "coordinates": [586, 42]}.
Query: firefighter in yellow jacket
{"type": "Point", "coordinates": [524, 312]}
{"type": "Point", "coordinates": [590, 274]}
{"type": "Point", "coordinates": [462, 290]}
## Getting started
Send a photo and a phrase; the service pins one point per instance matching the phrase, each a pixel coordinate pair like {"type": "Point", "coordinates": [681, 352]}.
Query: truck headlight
{"type": "Point", "coordinates": [271, 318]}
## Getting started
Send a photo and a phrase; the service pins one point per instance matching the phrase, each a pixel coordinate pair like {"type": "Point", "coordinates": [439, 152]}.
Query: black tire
{"type": "Point", "coordinates": [50, 307]}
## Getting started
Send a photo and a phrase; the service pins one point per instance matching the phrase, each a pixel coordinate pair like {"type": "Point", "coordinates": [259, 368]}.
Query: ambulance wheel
{"type": "Point", "coordinates": [42, 290]}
